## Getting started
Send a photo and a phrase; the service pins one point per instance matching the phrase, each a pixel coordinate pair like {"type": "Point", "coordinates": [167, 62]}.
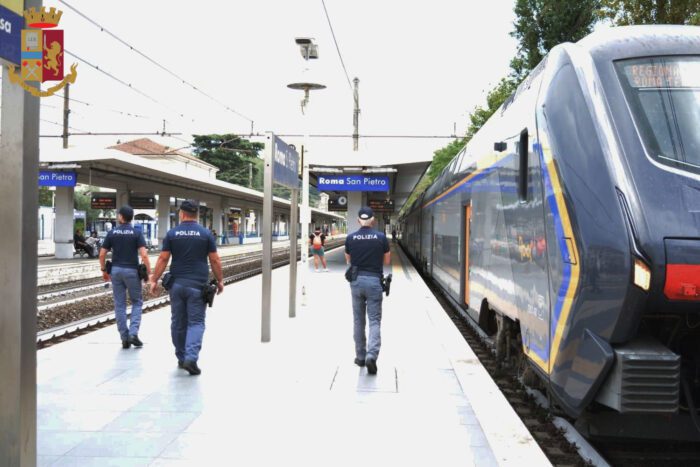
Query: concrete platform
{"type": "Point", "coordinates": [298, 400]}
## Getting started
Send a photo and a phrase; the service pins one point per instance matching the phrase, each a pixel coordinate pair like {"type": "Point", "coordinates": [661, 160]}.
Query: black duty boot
{"type": "Point", "coordinates": [359, 362]}
{"type": "Point", "coordinates": [371, 366]}
{"type": "Point", "coordinates": [126, 344]}
{"type": "Point", "coordinates": [191, 367]}
{"type": "Point", "coordinates": [135, 341]}
{"type": "Point", "coordinates": [180, 364]}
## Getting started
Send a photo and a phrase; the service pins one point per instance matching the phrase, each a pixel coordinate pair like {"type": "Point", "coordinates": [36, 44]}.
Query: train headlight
{"type": "Point", "coordinates": [642, 275]}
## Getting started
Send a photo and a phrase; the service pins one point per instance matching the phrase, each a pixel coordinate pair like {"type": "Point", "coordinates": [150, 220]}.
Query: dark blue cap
{"type": "Point", "coordinates": [190, 205]}
{"type": "Point", "coordinates": [365, 213]}
{"type": "Point", "coordinates": [127, 212]}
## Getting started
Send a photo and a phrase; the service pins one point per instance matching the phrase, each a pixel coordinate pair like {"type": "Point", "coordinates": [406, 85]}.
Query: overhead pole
{"type": "Point", "coordinates": [66, 114]}
{"type": "Point", "coordinates": [356, 115]}
{"type": "Point", "coordinates": [19, 163]}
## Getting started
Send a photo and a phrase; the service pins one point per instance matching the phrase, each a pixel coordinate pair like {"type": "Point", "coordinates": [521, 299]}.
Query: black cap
{"type": "Point", "coordinates": [365, 213]}
{"type": "Point", "coordinates": [190, 205]}
{"type": "Point", "coordinates": [127, 212]}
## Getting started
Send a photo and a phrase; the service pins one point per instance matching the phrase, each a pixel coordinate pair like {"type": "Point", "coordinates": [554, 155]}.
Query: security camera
{"type": "Point", "coordinates": [308, 49]}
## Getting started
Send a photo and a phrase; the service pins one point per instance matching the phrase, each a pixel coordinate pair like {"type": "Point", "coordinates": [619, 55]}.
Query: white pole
{"type": "Point", "coordinates": [305, 218]}
{"type": "Point", "coordinates": [267, 240]}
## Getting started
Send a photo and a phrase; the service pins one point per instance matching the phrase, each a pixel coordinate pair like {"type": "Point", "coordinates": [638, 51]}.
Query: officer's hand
{"type": "Point", "coordinates": [219, 288]}
{"type": "Point", "coordinates": [105, 276]}
{"type": "Point", "coordinates": [152, 286]}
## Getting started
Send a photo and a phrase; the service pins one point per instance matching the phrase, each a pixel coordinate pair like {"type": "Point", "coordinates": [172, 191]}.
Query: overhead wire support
{"type": "Point", "coordinates": [154, 62]}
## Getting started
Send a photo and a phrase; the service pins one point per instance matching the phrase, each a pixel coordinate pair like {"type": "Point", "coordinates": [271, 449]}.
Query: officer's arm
{"type": "Point", "coordinates": [144, 259]}
{"type": "Point", "coordinates": [347, 258]}
{"type": "Point", "coordinates": [161, 264]}
{"type": "Point", "coordinates": [387, 258]}
{"type": "Point", "coordinates": [103, 257]}
{"type": "Point", "coordinates": [215, 261]}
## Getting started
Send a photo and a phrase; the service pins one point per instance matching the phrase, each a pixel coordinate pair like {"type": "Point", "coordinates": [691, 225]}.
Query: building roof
{"type": "Point", "coordinates": [148, 148]}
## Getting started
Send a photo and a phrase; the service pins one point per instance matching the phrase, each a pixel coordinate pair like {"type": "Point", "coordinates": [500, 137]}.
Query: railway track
{"type": "Point", "coordinates": [553, 431]}
{"type": "Point", "coordinates": [96, 319]}
{"type": "Point", "coordinates": [51, 293]}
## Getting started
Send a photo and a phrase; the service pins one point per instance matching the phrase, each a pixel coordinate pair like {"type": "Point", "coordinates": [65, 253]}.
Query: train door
{"type": "Point", "coordinates": [467, 231]}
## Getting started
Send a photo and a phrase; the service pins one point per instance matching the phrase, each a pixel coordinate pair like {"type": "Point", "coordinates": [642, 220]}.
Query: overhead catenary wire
{"type": "Point", "coordinates": [154, 62]}
{"type": "Point", "coordinates": [337, 47]}
{"type": "Point", "coordinates": [106, 109]}
{"type": "Point", "coordinates": [122, 82]}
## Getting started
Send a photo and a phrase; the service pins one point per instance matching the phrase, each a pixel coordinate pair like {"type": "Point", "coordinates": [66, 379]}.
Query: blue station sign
{"type": "Point", "coordinates": [56, 178]}
{"type": "Point", "coordinates": [11, 25]}
{"type": "Point", "coordinates": [353, 182]}
{"type": "Point", "coordinates": [285, 165]}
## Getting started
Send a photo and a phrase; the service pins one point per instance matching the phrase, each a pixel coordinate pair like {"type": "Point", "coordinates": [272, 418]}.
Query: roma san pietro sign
{"type": "Point", "coordinates": [353, 182]}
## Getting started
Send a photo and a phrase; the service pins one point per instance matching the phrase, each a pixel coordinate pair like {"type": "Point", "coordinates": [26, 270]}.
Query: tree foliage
{"type": "Point", "coordinates": [542, 24]}
{"type": "Point", "coordinates": [45, 196]}
{"type": "Point", "coordinates": [232, 155]}
{"type": "Point", "coordinates": [239, 162]}
{"type": "Point", "coordinates": [627, 12]}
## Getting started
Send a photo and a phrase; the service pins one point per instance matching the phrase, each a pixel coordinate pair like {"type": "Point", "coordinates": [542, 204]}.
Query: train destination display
{"type": "Point", "coordinates": [103, 201]}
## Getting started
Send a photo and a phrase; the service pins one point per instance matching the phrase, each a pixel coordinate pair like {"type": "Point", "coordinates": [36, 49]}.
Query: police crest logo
{"type": "Point", "coordinates": [42, 53]}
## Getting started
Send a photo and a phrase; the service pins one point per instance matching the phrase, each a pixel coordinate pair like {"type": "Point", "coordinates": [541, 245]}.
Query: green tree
{"type": "Point", "coordinates": [542, 24]}
{"type": "Point", "coordinates": [626, 12]}
{"type": "Point", "coordinates": [233, 156]}
{"type": "Point", "coordinates": [82, 202]}
{"type": "Point", "coordinates": [45, 196]}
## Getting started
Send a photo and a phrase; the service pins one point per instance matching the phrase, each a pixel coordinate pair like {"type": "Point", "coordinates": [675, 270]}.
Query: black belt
{"type": "Point", "coordinates": [369, 273]}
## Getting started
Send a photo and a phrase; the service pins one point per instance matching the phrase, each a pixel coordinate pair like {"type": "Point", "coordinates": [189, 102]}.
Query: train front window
{"type": "Point", "coordinates": [664, 96]}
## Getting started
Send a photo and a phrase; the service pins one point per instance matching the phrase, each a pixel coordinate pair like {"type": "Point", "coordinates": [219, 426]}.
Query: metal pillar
{"type": "Point", "coordinates": [163, 217]}
{"type": "Point", "coordinates": [63, 233]}
{"type": "Point", "coordinates": [267, 239]}
{"type": "Point", "coordinates": [19, 162]}
{"type": "Point", "coordinates": [243, 225]}
{"type": "Point", "coordinates": [293, 228]}
{"type": "Point", "coordinates": [354, 205]}
{"type": "Point", "coordinates": [122, 198]}
{"type": "Point", "coordinates": [305, 218]}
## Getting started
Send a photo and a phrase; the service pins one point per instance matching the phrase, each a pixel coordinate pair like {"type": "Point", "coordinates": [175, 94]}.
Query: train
{"type": "Point", "coordinates": [568, 229]}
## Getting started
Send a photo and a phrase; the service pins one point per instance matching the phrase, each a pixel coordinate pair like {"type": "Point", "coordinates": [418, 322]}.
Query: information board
{"type": "Point", "coordinates": [338, 203]}
{"type": "Point", "coordinates": [285, 165]}
{"type": "Point", "coordinates": [56, 178]}
{"type": "Point", "coordinates": [11, 25]}
{"type": "Point", "coordinates": [142, 200]}
{"type": "Point", "coordinates": [103, 201]}
{"type": "Point", "coordinates": [381, 205]}
{"type": "Point", "coordinates": [353, 183]}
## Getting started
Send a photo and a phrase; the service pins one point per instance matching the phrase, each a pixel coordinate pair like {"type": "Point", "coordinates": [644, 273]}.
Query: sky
{"type": "Point", "coordinates": [423, 66]}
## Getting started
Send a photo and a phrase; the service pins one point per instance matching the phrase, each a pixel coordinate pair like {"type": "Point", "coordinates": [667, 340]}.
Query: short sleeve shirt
{"type": "Point", "coordinates": [366, 248]}
{"type": "Point", "coordinates": [124, 241]}
{"type": "Point", "coordinates": [323, 239]}
{"type": "Point", "coordinates": [190, 244]}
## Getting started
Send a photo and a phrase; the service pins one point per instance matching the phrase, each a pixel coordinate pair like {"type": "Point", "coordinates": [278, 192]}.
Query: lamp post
{"type": "Point", "coordinates": [309, 51]}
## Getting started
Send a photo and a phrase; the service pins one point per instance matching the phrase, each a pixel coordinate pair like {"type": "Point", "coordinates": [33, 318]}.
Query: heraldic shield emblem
{"type": "Point", "coordinates": [42, 53]}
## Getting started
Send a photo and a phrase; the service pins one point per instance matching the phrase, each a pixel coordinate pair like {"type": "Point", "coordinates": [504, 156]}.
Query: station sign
{"type": "Point", "coordinates": [381, 205]}
{"type": "Point", "coordinates": [11, 24]}
{"type": "Point", "coordinates": [142, 200]}
{"type": "Point", "coordinates": [103, 201]}
{"type": "Point", "coordinates": [353, 182]}
{"type": "Point", "coordinates": [338, 203]}
{"type": "Point", "coordinates": [57, 178]}
{"type": "Point", "coordinates": [285, 164]}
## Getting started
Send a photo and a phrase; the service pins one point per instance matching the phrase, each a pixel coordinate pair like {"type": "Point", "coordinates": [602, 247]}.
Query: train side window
{"type": "Point", "coordinates": [522, 172]}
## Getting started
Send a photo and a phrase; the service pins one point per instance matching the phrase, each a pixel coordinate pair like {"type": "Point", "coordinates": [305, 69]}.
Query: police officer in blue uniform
{"type": "Point", "coordinates": [126, 244]}
{"type": "Point", "coordinates": [367, 250]}
{"type": "Point", "coordinates": [189, 244]}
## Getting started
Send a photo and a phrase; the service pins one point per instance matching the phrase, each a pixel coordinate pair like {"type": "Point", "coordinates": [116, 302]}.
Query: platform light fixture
{"type": "Point", "coordinates": [309, 51]}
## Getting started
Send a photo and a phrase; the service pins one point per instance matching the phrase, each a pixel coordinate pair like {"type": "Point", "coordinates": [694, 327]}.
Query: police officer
{"type": "Point", "coordinates": [126, 244]}
{"type": "Point", "coordinates": [367, 250]}
{"type": "Point", "coordinates": [190, 244]}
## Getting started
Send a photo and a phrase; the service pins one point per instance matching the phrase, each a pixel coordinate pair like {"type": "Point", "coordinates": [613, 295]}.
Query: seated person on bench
{"type": "Point", "coordinates": [80, 243]}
